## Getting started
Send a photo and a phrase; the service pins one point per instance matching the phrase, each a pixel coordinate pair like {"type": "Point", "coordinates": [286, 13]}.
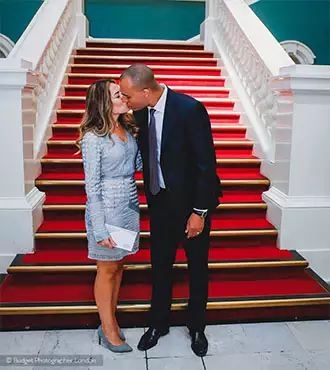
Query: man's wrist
{"type": "Point", "coordinates": [200, 212]}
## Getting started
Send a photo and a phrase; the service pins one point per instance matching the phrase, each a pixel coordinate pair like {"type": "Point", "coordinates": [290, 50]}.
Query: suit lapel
{"type": "Point", "coordinates": [169, 119]}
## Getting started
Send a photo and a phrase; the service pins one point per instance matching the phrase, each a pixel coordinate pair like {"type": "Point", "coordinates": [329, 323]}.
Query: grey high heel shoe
{"type": "Point", "coordinates": [117, 349]}
{"type": "Point", "coordinates": [121, 334]}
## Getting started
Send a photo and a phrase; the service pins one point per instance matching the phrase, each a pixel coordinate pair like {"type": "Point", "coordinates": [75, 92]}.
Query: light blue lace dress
{"type": "Point", "coordinates": [112, 197]}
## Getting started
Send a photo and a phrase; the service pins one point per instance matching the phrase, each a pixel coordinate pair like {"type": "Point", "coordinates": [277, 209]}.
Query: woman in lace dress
{"type": "Point", "coordinates": [109, 151]}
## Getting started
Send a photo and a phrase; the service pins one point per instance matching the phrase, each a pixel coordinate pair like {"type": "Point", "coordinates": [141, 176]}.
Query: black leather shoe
{"type": "Point", "coordinates": [150, 338]}
{"type": "Point", "coordinates": [199, 343]}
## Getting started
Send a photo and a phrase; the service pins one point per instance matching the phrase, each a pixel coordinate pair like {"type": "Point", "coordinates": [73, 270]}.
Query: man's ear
{"type": "Point", "coordinates": [146, 93]}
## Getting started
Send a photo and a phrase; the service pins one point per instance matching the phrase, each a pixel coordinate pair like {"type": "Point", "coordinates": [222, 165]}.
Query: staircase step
{"type": "Point", "coordinates": [77, 228]}
{"type": "Point", "coordinates": [225, 147]}
{"type": "Point", "coordinates": [195, 91]}
{"type": "Point", "coordinates": [233, 178]}
{"type": "Point", "coordinates": [228, 198]}
{"type": "Point", "coordinates": [219, 131]}
{"type": "Point", "coordinates": [216, 116]}
{"type": "Point", "coordinates": [148, 60]}
{"type": "Point", "coordinates": [158, 69]}
{"type": "Point", "coordinates": [224, 258]}
{"type": "Point", "coordinates": [79, 102]}
{"type": "Point", "coordinates": [266, 297]}
{"type": "Point", "coordinates": [188, 80]}
{"type": "Point", "coordinates": [161, 52]}
{"type": "Point", "coordinates": [227, 167]}
{"type": "Point", "coordinates": [228, 211]}
{"type": "Point", "coordinates": [248, 188]}
{"type": "Point", "coordinates": [106, 43]}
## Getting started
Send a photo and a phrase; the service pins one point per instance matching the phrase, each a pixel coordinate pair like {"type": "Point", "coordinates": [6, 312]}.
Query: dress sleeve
{"type": "Point", "coordinates": [138, 161]}
{"type": "Point", "coordinates": [91, 154]}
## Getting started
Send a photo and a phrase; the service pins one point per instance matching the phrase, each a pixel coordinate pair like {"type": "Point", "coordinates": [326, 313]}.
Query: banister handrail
{"type": "Point", "coordinates": [46, 21]}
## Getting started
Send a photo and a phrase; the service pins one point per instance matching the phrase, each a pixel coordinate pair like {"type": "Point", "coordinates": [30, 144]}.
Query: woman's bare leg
{"type": "Point", "coordinates": [104, 291]}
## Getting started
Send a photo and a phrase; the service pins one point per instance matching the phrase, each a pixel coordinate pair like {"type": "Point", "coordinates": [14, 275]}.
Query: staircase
{"type": "Point", "coordinates": [250, 278]}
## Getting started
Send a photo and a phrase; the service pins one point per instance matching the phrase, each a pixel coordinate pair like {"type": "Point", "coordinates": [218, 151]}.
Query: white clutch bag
{"type": "Point", "coordinates": [125, 239]}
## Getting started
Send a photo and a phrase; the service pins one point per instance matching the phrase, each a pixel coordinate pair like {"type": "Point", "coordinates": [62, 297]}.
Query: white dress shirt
{"type": "Point", "coordinates": [159, 117]}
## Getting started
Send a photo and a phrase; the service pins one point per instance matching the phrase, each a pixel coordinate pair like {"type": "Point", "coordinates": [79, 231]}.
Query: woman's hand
{"type": "Point", "coordinates": [108, 243]}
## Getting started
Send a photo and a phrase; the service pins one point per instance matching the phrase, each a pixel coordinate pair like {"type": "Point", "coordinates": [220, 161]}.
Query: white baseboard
{"type": "Point", "coordinates": [19, 219]}
{"type": "Point", "coordinates": [303, 224]}
{"type": "Point", "coordinates": [5, 261]}
{"type": "Point", "coordinates": [319, 261]}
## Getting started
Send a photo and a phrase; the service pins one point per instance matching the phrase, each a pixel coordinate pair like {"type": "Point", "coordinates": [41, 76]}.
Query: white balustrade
{"type": "Point", "coordinates": [31, 78]}
{"type": "Point", "coordinates": [251, 56]}
{"type": "Point", "coordinates": [287, 110]}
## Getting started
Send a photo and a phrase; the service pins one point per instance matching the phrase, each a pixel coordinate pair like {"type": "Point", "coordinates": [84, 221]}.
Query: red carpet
{"type": "Point", "coordinates": [250, 278]}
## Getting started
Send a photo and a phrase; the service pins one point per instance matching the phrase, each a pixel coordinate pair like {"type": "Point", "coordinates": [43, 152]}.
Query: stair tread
{"type": "Point", "coordinates": [60, 257]}
{"type": "Point", "coordinates": [176, 87]}
{"type": "Point", "coordinates": [161, 50]}
{"type": "Point", "coordinates": [227, 198]}
{"type": "Point", "coordinates": [159, 76]}
{"type": "Point", "coordinates": [81, 176]}
{"type": "Point", "coordinates": [70, 139]}
{"type": "Point", "coordinates": [79, 156]}
{"type": "Point", "coordinates": [216, 225]}
{"type": "Point", "coordinates": [154, 66]}
{"type": "Point", "coordinates": [223, 286]}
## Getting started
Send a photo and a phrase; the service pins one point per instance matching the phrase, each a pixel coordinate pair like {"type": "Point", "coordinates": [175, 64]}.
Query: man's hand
{"type": "Point", "coordinates": [195, 226]}
{"type": "Point", "coordinates": [108, 243]}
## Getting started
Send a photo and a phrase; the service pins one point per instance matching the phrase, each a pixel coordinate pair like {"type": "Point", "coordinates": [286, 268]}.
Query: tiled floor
{"type": "Point", "coordinates": [268, 346]}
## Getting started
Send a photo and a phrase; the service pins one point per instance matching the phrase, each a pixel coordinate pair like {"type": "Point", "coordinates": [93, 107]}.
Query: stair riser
{"type": "Point", "coordinates": [195, 94]}
{"type": "Point", "coordinates": [79, 190]}
{"type": "Point", "coordinates": [238, 214]}
{"type": "Point", "coordinates": [72, 133]}
{"type": "Point", "coordinates": [184, 81]}
{"type": "Point", "coordinates": [245, 197]}
{"type": "Point", "coordinates": [210, 105]}
{"type": "Point", "coordinates": [215, 117]}
{"type": "Point", "coordinates": [146, 53]}
{"type": "Point", "coordinates": [141, 319]}
{"type": "Point", "coordinates": [130, 278]}
{"type": "Point", "coordinates": [78, 168]}
{"type": "Point", "coordinates": [164, 62]}
{"type": "Point", "coordinates": [71, 149]}
{"type": "Point", "coordinates": [223, 242]}
{"type": "Point", "coordinates": [164, 71]}
{"type": "Point", "coordinates": [142, 45]}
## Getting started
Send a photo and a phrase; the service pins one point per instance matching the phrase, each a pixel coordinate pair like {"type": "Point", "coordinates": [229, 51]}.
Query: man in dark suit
{"type": "Point", "coordinates": [182, 188]}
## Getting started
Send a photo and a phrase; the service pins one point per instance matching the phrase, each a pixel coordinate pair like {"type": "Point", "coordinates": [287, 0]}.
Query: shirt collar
{"type": "Point", "coordinates": [160, 106]}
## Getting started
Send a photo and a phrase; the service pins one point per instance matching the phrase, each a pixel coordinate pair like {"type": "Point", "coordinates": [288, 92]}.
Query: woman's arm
{"type": "Point", "coordinates": [138, 161]}
{"type": "Point", "coordinates": [91, 154]}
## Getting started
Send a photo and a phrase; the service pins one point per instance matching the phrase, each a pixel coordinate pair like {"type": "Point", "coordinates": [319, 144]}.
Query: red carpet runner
{"type": "Point", "coordinates": [250, 278]}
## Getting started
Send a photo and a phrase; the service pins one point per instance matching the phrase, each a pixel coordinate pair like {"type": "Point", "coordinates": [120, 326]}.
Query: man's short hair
{"type": "Point", "coordinates": [141, 76]}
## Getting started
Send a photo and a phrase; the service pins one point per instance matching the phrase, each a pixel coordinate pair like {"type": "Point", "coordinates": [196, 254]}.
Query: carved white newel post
{"type": "Point", "coordinates": [20, 200]}
{"type": "Point", "coordinates": [208, 27]}
{"type": "Point", "coordinates": [299, 199]}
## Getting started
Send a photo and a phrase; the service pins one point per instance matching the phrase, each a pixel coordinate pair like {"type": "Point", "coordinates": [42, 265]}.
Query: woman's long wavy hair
{"type": "Point", "coordinates": [98, 114]}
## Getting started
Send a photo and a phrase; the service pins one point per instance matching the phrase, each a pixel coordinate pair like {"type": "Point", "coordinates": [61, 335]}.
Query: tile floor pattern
{"type": "Point", "coordinates": [266, 346]}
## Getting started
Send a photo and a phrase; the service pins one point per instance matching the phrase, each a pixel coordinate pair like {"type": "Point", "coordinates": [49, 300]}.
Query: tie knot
{"type": "Point", "coordinates": [152, 111]}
